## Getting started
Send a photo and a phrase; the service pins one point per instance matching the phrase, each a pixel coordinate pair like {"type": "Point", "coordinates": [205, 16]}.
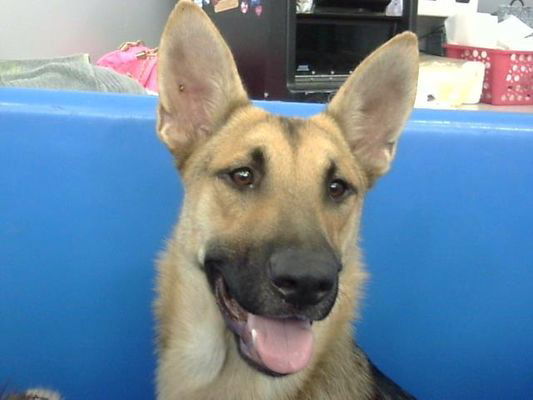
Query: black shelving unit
{"type": "Point", "coordinates": [282, 55]}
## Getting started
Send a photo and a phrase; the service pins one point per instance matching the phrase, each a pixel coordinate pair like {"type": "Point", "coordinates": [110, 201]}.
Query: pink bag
{"type": "Point", "coordinates": [135, 60]}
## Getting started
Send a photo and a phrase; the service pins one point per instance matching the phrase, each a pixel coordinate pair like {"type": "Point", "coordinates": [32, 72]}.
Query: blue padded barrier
{"type": "Point", "coordinates": [88, 194]}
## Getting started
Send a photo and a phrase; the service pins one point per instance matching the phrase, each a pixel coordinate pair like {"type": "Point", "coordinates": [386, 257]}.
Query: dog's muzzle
{"type": "Point", "coordinates": [276, 346]}
{"type": "Point", "coordinates": [271, 312]}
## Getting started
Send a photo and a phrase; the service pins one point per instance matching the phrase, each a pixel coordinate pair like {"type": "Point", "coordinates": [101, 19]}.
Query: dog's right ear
{"type": "Point", "coordinates": [199, 85]}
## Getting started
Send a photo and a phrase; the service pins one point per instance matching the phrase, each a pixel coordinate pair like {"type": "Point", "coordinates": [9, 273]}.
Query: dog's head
{"type": "Point", "coordinates": [273, 204]}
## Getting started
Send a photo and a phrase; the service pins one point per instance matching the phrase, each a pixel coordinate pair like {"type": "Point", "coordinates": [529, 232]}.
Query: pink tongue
{"type": "Point", "coordinates": [284, 346]}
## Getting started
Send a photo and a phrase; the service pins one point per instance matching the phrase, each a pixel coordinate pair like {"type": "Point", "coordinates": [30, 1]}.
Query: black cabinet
{"type": "Point", "coordinates": [282, 55]}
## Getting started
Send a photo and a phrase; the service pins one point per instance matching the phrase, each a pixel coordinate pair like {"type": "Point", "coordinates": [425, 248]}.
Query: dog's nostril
{"type": "Point", "coordinates": [285, 283]}
{"type": "Point", "coordinates": [324, 286]}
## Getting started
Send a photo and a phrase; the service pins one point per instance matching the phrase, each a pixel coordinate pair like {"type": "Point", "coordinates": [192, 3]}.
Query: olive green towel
{"type": "Point", "coordinates": [71, 73]}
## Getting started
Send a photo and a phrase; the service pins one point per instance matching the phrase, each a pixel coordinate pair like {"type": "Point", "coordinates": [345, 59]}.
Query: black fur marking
{"type": "Point", "coordinates": [291, 128]}
{"type": "Point", "coordinates": [258, 160]}
{"type": "Point", "coordinates": [331, 171]}
{"type": "Point", "coordinates": [384, 387]}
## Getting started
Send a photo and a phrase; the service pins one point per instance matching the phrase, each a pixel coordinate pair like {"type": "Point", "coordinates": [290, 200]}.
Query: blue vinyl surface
{"type": "Point", "coordinates": [88, 195]}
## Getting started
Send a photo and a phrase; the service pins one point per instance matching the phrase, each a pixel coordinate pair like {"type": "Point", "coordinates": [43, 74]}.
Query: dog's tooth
{"type": "Point", "coordinates": [307, 324]}
{"type": "Point", "coordinates": [254, 336]}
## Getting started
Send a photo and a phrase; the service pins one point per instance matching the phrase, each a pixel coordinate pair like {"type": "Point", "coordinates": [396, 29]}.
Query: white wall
{"type": "Point", "coordinates": [489, 6]}
{"type": "Point", "coordinates": [51, 28]}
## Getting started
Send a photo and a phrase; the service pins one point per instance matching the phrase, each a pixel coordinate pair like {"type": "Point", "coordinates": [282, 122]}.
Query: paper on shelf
{"type": "Point", "coordinates": [472, 29]}
{"type": "Point", "coordinates": [483, 30]}
{"type": "Point", "coordinates": [512, 35]}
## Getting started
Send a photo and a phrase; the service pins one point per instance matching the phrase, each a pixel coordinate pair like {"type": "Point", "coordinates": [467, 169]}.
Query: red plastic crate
{"type": "Point", "coordinates": [508, 74]}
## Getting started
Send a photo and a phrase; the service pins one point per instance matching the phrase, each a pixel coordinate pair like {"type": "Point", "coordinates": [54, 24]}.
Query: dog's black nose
{"type": "Point", "coordinates": [303, 277]}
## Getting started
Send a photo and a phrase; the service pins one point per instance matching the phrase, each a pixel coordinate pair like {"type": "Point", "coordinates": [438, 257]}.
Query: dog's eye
{"type": "Point", "coordinates": [242, 177]}
{"type": "Point", "coordinates": [337, 188]}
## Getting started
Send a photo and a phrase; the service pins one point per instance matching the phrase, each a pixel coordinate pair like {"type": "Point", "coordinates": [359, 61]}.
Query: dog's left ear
{"type": "Point", "coordinates": [199, 85]}
{"type": "Point", "coordinates": [374, 103]}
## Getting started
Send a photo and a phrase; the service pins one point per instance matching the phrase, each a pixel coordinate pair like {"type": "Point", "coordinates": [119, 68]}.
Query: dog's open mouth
{"type": "Point", "coordinates": [276, 346]}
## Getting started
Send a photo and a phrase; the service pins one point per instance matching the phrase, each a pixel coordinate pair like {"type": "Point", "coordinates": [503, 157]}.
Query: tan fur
{"type": "Point", "coordinates": [208, 124]}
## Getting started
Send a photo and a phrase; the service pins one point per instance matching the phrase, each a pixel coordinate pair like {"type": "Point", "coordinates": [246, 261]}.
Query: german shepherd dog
{"type": "Point", "coordinates": [260, 282]}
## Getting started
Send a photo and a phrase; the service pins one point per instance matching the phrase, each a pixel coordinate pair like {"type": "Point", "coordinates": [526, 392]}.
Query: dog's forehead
{"type": "Point", "coordinates": [279, 138]}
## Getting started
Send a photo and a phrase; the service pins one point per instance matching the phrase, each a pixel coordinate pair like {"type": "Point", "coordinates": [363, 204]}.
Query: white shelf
{"type": "Point", "coordinates": [445, 8]}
